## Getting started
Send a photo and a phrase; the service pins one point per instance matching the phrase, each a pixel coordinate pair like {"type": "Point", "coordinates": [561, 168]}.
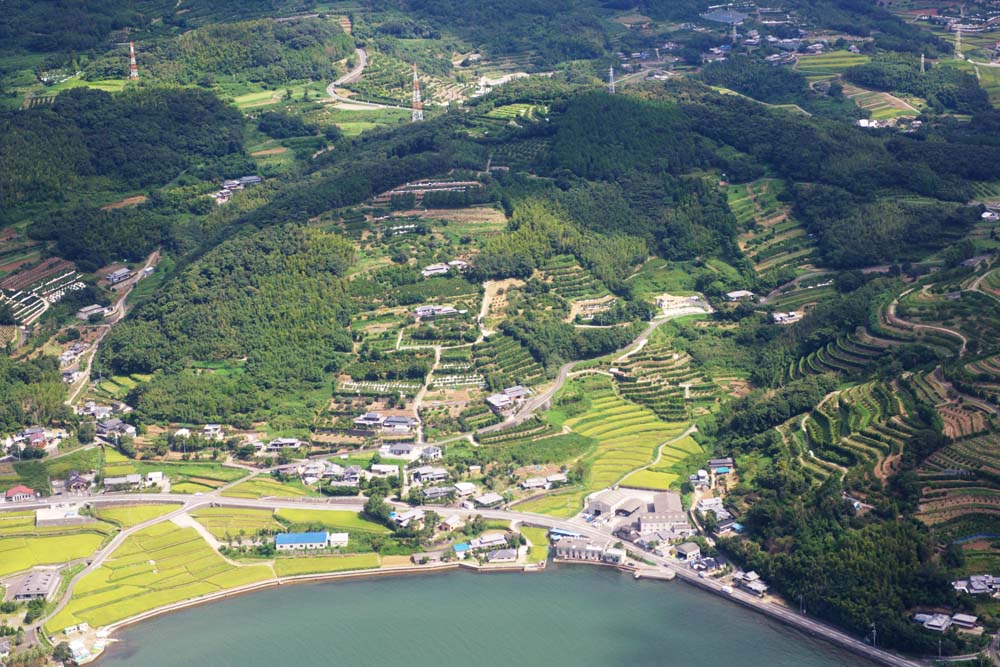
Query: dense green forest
{"type": "Point", "coordinates": [138, 138]}
{"type": "Point", "coordinates": [261, 51]}
{"type": "Point", "coordinates": [31, 392]}
{"type": "Point", "coordinates": [273, 303]}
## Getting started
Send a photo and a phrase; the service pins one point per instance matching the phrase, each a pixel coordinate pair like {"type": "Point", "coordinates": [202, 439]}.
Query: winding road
{"type": "Point", "coordinates": [352, 76]}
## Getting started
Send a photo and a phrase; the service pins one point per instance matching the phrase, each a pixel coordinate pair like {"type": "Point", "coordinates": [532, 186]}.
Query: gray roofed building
{"type": "Point", "coordinates": [489, 499]}
{"type": "Point", "coordinates": [502, 556]}
{"type": "Point", "coordinates": [37, 585]}
{"type": "Point", "coordinates": [437, 492]}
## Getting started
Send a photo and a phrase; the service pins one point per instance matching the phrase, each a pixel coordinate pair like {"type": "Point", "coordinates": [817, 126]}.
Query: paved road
{"type": "Point", "coordinates": [352, 76]}
{"type": "Point", "coordinates": [190, 503]}
{"type": "Point", "coordinates": [118, 312]}
{"type": "Point", "coordinates": [539, 400]}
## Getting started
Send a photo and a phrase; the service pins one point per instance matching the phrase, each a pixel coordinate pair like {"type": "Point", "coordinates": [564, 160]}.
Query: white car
{"type": "Point", "coordinates": [727, 589]}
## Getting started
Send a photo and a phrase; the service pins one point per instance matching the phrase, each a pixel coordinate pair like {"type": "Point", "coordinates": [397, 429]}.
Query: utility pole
{"type": "Point", "coordinates": [923, 66]}
{"type": "Point", "coordinates": [611, 79]}
{"type": "Point", "coordinates": [418, 107]}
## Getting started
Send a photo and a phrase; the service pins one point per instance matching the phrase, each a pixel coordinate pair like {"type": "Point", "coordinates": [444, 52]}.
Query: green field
{"type": "Point", "coordinates": [332, 519]}
{"type": "Point", "coordinates": [539, 538]}
{"type": "Point", "coordinates": [260, 487]}
{"type": "Point", "coordinates": [133, 515]}
{"type": "Point", "coordinates": [227, 522]}
{"type": "Point", "coordinates": [830, 64]}
{"type": "Point", "coordinates": [287, 567]}
{"type": "Point", "coordinates": [154, 567]}
{"type": "Point", "coordinates": [23, 553]}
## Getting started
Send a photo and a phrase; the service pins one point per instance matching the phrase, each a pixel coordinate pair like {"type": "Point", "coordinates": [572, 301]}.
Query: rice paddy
{"type": "Point", "coordinates": [154, 567]}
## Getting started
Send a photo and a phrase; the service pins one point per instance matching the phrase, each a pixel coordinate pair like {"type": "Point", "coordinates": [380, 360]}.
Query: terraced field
{"type": "Point", "coordinates": [664, 474]}
{"type": "Point", "coordinates": [861, 427]}
{"type": "Point", "coordinates": [506, 359]}
{"type": "Point", "coordinates": [666, 382]}
{"type": "Point", "coordinates": [570, 280]}
{"type": "Point", "coordinates": [771, 238]}
{"type": "Point", "coordinates": [154, 567]}
{"type": "Point", "coordinates": [850, 355]}
{"type": "Point", "coordinates": [961, 488]}
{"type": "Point", "coordinates": [331, 520]}
{"type": "Point", "coordinates": [627, 437]}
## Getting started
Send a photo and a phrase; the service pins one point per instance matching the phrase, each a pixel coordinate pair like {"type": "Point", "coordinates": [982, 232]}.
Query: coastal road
{"type": "Point", "coordinates": [188, 503]}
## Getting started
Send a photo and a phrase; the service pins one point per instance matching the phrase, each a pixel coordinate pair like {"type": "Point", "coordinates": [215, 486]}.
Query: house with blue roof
{"type": "Point", "coordinates": [303, 541]}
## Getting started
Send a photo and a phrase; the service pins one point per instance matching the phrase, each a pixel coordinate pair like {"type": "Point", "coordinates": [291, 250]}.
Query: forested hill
{"type": "Point", "coordinates": [137, 138]}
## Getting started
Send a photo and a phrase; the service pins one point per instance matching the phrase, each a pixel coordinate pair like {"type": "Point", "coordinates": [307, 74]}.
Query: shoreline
{"type": "Point", "coordinates": [318, 577]}
{"type": "Point", "coordinates": [441, 568]}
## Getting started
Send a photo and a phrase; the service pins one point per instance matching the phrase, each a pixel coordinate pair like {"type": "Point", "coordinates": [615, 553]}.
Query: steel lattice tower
{"type": "Point", "coordinates": [418, 106]}
{"type": "Point", "coordinates": [133, 69]}
{"type": "Point", "coordinates": [611, 80]}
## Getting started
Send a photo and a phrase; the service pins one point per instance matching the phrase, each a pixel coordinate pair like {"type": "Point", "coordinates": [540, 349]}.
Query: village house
{"type": "Point", "coordinates": [791, 317]}
{"type": "Point", "coordinates": [434, 312]}
{"type": "Point", "coordinates": [502, 556]}
{"type": "Point", "coordinates": [19, 493]}
{"type": "Point", "coordinates": [96, 411]}
{"type": "Point", "coordinates": [400, 449]}
{"type": "Point", "coordinates": [278, 444]}
{"type": "Point", "coordinates": [77, 483]}
{"type": "Point", "coordinates": [369, 420]}
{"type": "Point", "coordinates": [118, 275]}
{"type": "Point", "coordinates": [425, 474]}
{"type": "Point", "coordinates": [427, 557]}
{"type": "Point", "coordinates": [465, 489]}
{"type": "Point", "coordinates": [741, 295]}
{"type": "Point", "coordinates": [534, 483]}
{"type": "Point", "coordinates": [751, 582]}
{"type": "Point", "coordinates": [213, 432]}
{"type": "Point", "coordinates": [453, 522]}
{"type": "Point", "coordinates": [432, 270]}
{"type": "Point", "coordinates": [489, 541]}
{"type": "Point", "coordinates": [115, 429]}
{"type": "Point", "coordinates": [399, 424]}
{"type": "Point", "coordinates": [384, 470]}
{"type": "Point", "coordinates": [556, 479]}
{"type": "Point", "coordinates": [408, 518]}
{"type": "Point", "coordinates": [489, 500]}
{"type": "Point", "coordinates": [713, 506]}
{"type": "Point", "coordinates": [721, 466]}
{"type": "Point", "coordinates": [155, 478]}
{"type": "Point", "coordinates": [307, 541]}
{"type": "Point", "coordinates": [125, 483]}
{"type": "Point", "coordinates": [432, 453]}
{"type": "Point", "coordinates": [508, 399]}
{"type": "Point", "coordinates": [437, 492]}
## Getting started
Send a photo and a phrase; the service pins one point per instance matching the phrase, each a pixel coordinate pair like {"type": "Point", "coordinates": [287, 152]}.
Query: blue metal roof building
{"type": "Point", "coordinates": [316, 540]}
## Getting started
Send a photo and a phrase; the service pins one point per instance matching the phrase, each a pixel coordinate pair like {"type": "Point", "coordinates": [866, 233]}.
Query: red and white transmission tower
{"type": "Point", "coordinates": [418, 106]}
{"type": "Point", "coordinates": [133, 69]}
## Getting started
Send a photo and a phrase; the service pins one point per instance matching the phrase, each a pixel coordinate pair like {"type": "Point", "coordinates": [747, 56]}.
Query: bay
{"type": "Point", "coordinates": [570, 615]}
